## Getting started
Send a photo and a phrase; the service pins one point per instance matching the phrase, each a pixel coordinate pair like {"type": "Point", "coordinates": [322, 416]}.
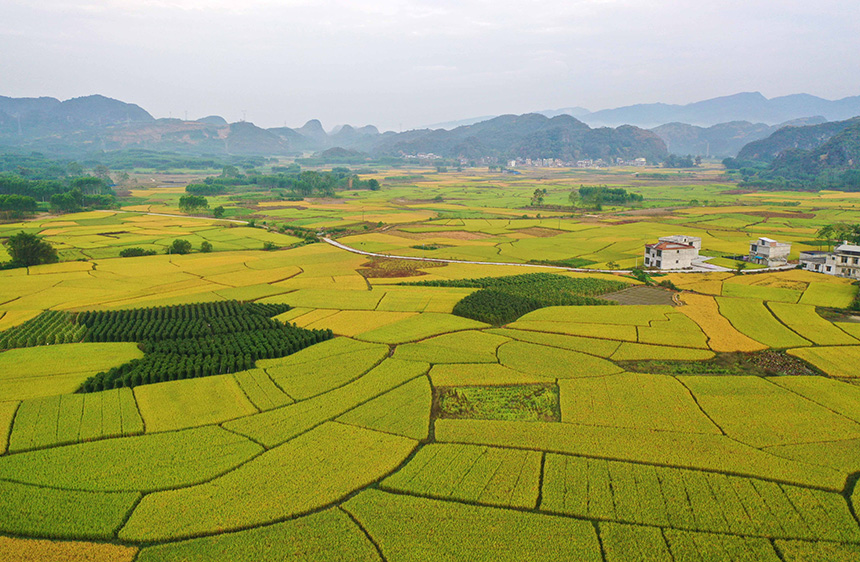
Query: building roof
{"type": "Point", "coordinates": [847, 248]}
{"type": "Point", "coordinates": [670, 246]}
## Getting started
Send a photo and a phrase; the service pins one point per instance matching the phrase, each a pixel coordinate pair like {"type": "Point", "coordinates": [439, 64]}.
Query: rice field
{"type": "Point", "coordinates": [355, 449]}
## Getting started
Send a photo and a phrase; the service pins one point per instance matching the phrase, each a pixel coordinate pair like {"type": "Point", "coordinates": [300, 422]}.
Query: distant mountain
{"type": "Point", "coordinates": [792, 138]}
{"type": "Point", "coordinates": [314, 131]}
{"type": "Point", "coordinates": [528, 136]}
{"type": "Point", "coordinates": [30, 118]}
{"type": "Point", "coordinates": [213, 120]}
{"type": "Point", "coordinates": [722, 140]}
{"type": "Point", "coordinates": [749, 106]}
{"type": "Point", "coordinates": [572, 111]}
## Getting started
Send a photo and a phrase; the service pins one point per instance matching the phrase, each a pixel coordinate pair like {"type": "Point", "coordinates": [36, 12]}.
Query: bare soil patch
{"type": "Point", "coordinates": [382, 268]}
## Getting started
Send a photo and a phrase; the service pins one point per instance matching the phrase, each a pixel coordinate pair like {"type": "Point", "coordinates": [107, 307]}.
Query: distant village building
{"type": "Point", "coordinates": [673, 252]}
{"type": "Point", "coordinates": [843, 261]}
{"type": "Point", "coordinates": [769, 252]}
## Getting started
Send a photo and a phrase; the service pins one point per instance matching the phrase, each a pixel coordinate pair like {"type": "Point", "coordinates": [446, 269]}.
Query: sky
{"type": "Point", "coordinates": [402, 64]}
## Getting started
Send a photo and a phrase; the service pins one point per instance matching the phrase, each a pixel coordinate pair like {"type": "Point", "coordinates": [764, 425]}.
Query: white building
{"type": "Point", "coordinates": [769, 252]}
{"type": "Point", "coordinates": [843, 261]}
{"type": "Point", "coordinates": [694, 241]}
{"type": "Point", "coordinates": [673, 252]}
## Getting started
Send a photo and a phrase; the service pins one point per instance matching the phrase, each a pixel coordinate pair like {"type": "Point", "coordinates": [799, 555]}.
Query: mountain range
{"type": "Point", "coordinates": [752, 107]}
{"type": "Point", "coordinates": [96, 124]}
{"type": "Point", "coordinates": [718, 127]}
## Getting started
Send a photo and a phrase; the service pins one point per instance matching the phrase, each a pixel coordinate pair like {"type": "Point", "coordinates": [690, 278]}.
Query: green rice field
{"type": "Point", "coordinates": [413, 433]}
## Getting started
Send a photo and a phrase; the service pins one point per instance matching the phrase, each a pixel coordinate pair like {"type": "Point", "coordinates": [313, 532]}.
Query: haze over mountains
{"type": "Point", "coordinates": [717, 127]}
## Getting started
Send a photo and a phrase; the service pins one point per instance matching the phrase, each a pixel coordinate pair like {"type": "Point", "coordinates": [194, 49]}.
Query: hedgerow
{"type": "Point", "coordinates": [504, 299]}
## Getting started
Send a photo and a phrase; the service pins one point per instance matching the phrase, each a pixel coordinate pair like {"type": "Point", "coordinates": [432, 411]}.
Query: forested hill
{"type": "Point", "coordinates": [818, 158]}
{"type": "Point", "coordinates": [28, 118]}
{"type": "Point", "coordinates": [791, 138]}
{"type": "Point", "coordinates": [529, 136]}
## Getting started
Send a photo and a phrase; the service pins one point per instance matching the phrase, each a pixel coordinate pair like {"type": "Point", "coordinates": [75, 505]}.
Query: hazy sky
{"type": "Point", "coordinates": [409, 63]}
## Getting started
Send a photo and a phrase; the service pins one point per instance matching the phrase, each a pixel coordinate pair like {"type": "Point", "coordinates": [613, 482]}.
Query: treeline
{"type": "Point", "coordinates": [21, 195]}
{"type": "Point", "coordinates": [597, 196]}
{"type": "Point", "coordinates": [501, 300]}
{"type": "Point", "coordinates": [677, 161]}
{"type": "Point", "coordinates": [293, 179]}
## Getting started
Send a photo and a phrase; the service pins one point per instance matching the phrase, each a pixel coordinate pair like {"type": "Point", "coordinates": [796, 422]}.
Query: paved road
{"type": "Point", "coordinates": [704, 269]}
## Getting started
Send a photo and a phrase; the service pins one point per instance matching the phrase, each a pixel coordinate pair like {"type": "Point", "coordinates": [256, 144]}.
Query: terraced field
{"type": "Point", "coordinates": [417, 434]}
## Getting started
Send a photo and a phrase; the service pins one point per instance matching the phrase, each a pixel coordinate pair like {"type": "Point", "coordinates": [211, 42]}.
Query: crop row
{"type": "Point", "coordinates": [693, 500]}
{"type": "Point", "coordinates": [50, 327]}
{"type": "Point", "coordinates": [502, 477]}
{"type": "Point", "coordinates": [69, 418]}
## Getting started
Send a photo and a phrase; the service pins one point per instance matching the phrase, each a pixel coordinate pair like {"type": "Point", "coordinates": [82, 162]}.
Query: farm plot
{"type": "Point", "coordinates": [628, 351]}
{"type": "Point", "coordinates": [835, 361]}
{"type": "Point", "coordinates": [261, 390]}
{"type": "Point", "coordinates": [682, 450]}
{"type": "Point", "coordinates": [722, 336]}
{"type": "Point", "coordinates": [43, 422]}
{"type": "Point", "coordinates": [323, 367]}
{"type": "Point", "coordinates": [692, 500]}
{"type": "Point", "coordinates": [676, 330]}
{"type": "Point", "coordinates": [632, 400]}
{"type": "Point", "coordinates": [838, 396]}
{"type": "Point", "coordinates": [553, 362]}
{"type": "Point", "coordinates": [481, 374]}
{"type": "Point", "coordinates": [353, 322]}
{"type": "Point", "coordinates": [532, 402]}
{"type": "Point", "coordinates": [327, 535]}
{"type": "Point", "coordinates": [702, 546]}
{"type": "Point", "coordinates": [633, 543]}
{"type": "Point", "coordinates": [334, 460]}
{"type": "Point", "coordinates": [420, 327]}
{"type": "Point", "coordinates": [35, 511]}
{"type": "Point", "coordinates": [801, 551]}
{"type": "Point", "coordinates": [30, 550]}
{"type": "Point", "coordinates": [753, 319]}
{"type": "Point", "coordinates": [58, 369]}
{"type": "Point", "coordinates": [805, 321]}
{"type": "Point", "coordinates": [461, 347]}
{"type": "Point", "coordinates": [485, 475]}
{"type": "Point", "coordinates": [736, 405]}
{"type": "Point", "coordinates": [144, 463]}
{"type": "Point", "coordinates": [399, 525]}
{"type": "Point", "coordinates": [839, 455]}
{"type": "Point", "coordinates": [402, 411]}
{"type": "Point", "coordinates": [175, 405]}
{"type": "Point", "coordinates": [830, 294]}
{"type": "Point", "coordinates": [279, 425]}
{"type": "Point", "coordinates": [592, 346]}
{"type": "Point", "coordinates": [7, 414]}
{"type": "Point", "coordinates": [419, 299]}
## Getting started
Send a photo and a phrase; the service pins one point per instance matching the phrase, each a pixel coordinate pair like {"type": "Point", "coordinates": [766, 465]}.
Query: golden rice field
{"type": "Point", "coordinates": [725, 426]}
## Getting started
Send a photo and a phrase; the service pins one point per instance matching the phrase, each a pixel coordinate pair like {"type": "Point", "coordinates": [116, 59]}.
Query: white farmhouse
{"type": "Point", "coordinates": [769, 252]}
{"type": "Point", "coordinates": [843, 261]}
{"type": "Point", "coordinates": [673, 252]}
